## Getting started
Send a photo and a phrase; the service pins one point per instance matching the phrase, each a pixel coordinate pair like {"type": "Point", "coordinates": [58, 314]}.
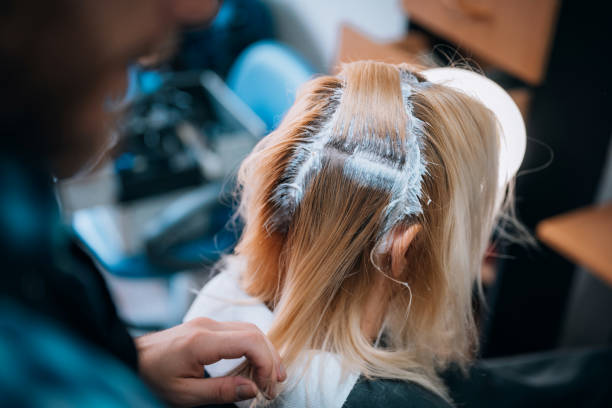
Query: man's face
{"type": "Point", "coordinates": [121, 32]}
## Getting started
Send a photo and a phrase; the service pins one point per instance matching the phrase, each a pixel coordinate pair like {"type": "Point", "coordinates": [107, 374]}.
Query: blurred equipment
{"type": "Point", "coordinates": [173, 135]}
{"type": "Point", "coordinates": [182, 145]}
{"type": "Point", "coordinates": [156, 158]}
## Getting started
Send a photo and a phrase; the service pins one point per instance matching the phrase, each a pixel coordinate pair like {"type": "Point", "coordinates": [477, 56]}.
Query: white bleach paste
{"type": "Point", "coordinates": [363, 163]}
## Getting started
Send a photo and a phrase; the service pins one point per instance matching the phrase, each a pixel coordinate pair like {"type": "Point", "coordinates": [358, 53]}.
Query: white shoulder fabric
{"type": "Point", "coordinates": [323, 383]}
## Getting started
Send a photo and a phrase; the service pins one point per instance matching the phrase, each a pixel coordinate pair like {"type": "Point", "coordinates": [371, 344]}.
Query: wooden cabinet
{"type": "Point", "coordinates": [514, 35]}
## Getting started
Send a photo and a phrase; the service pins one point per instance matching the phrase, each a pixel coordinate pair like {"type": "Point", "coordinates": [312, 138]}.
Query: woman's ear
{"type": "Point", "coordinates": [402, 238]}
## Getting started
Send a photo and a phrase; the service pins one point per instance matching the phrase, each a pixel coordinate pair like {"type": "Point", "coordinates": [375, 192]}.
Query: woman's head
{"type": "Point", "coordinates": [377, 183]}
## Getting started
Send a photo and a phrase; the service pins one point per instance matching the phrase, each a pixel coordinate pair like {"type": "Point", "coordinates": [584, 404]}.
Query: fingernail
{"type": "Point", "coordinates": [282, 373]}
{"type": "Point", "coordinates": [246, 391]}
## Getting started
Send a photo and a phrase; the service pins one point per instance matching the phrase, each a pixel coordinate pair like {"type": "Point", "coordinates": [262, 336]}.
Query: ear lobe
{"type": "Point", "coordinates": [399, 246]}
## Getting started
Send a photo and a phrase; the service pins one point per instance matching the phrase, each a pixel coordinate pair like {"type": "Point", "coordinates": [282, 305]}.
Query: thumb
{"type": "Point", "coordinates": [219, 390]}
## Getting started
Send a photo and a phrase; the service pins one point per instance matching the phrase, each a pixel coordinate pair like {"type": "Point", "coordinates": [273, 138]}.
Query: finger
{"type": "Point", "coordinates": [264, 378]}
{"type": "Point", "coordinates": [280, 369]}
{"type": "Point", "coordinates": [244, 343]}
{"type": "Point", "coordinates": [281, 374]}
{"type": "Point", "coordinates": [210, 324]}
{"type": "Point", "coordinates": [220, 390]}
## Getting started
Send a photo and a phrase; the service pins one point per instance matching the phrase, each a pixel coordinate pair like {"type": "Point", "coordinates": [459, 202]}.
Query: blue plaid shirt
{"type": "Point", "coordinates": [41, 365]}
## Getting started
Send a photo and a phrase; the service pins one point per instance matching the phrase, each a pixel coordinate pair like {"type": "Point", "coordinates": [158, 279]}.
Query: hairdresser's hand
{"type": "Point", "coordinates": [172, 361]}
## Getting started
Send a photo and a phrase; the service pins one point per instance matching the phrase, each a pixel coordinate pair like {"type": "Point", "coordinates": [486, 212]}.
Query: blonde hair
{"type": "Point", "coordinates": [318, 272]}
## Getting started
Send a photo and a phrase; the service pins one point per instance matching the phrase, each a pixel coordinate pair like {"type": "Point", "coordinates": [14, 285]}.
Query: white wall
{"type": "Point", "coordinates": [312, 27]}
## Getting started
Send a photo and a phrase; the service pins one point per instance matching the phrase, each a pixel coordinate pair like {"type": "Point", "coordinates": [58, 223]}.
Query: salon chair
{"type": "Point", "coordinates": [266, 77]}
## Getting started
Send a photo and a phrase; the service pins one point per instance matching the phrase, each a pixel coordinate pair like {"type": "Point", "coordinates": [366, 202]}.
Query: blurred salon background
{"type": "Point", "coordinates": [158, 215]}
